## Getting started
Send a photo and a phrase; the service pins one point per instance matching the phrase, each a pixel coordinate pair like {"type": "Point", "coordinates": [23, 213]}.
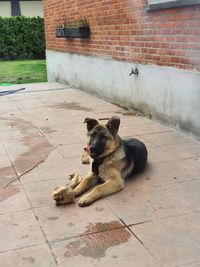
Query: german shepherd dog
{"type": "Point", "coordinates": [113, 160]}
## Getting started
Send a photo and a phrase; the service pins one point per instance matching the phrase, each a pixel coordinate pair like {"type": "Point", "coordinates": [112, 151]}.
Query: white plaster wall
{"type": "Point", "coordinates": [164, 93]}
{"type": "Point", "coordinates": [5, 9]}
{"type": "Point", "coordinates": [31, 8]}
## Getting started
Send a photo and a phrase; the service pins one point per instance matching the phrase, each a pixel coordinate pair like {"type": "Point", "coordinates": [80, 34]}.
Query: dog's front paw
{"type": "Point", "coordinates": [77, 192]}
{"type": "Point", "coordinates": [75, 180]}
{"type": "Point", "coordinates": [58, 194]}
{"type": "Point", "coordinates": [85, 201]}
{"type": "Point", "coordinates": [63, 195]}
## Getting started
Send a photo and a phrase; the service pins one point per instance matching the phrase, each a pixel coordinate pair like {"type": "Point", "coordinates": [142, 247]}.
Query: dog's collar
{"type": "Point", "coordinates": [97, 162]}
{"type": "Point", "coordinates": [95, 165]}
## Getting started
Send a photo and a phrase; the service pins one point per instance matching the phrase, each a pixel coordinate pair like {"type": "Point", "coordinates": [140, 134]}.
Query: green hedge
{"type": "Point", "coordinates": [22, 38]}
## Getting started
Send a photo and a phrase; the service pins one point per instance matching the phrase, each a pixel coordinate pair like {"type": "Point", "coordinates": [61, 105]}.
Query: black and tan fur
{"type": "Point", "coordinates": [113, 160]}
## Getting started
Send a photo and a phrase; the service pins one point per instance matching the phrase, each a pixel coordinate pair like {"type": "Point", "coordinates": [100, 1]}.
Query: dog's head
{"type": "Point", "coordinates": [102, 139]}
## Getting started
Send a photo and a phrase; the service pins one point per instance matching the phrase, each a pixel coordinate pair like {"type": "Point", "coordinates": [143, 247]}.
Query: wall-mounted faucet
{"type": "Point", "coordinates": [135, 72]}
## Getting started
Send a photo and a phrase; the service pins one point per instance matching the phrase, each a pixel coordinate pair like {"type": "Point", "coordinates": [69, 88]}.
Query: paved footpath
{"type": "Point", "coordinates": [154, 221]}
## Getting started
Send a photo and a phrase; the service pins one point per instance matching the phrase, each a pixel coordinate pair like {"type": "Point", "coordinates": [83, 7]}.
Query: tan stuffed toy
{"type": "Point", "coordinates": [85, 158]}
{"type": "Point", "coordinates": [65, 194]}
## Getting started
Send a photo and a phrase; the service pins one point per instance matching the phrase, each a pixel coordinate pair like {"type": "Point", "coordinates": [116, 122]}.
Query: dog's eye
{"type": "Point", "coordinates": [103, 137]}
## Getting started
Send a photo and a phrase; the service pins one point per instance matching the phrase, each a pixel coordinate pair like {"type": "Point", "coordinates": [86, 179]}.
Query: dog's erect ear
{"type": "Point", "coordinates": [91, 123]}
{"type": "Point", "coordinates": [113, 125]}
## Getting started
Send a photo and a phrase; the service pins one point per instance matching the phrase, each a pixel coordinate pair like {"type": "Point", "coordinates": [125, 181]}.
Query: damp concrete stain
{"type": "Point", "coordinates": [100, 227]}
{"type": "Point", "coordinates": [99, 209]}
{"type": "Point", "coordinates": [53, 218]}
{"type": "Point", "coordinates": [37, 145]}
{"type": "Point", "coordinates": [28, 259]}
{"type": "Point", "coordinates": [14, 224]}
{"type": "Point", "coordinates": [24, 236]}
{"type": "Point", "coordinates": [95, 245]}
{"type": "Point", "coordinates": [72, 106]}
{"type": "Point", "coordinates": [7, 192]}
{"type": "Point", "coordinates": [127, 113]}
{"type": "Point", "coordinates": [7, 174]}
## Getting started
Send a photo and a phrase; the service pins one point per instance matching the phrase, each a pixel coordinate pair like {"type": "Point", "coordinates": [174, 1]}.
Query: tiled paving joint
{"type": "Point", "coordinates": [154, 221]}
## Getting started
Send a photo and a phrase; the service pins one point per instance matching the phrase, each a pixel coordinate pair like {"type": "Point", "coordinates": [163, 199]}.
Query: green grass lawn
{"type": "Point", "coordinates": [23, 71]}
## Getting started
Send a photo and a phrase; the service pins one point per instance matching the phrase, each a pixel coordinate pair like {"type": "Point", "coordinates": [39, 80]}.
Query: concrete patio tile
{"type": "Point", "coordinates": [8, 106]}
{"type": "Point", "coordinates": [189, 149]}
{"type": "Point", "coordinates": [71, 95]}
{"type": "Point", "coordinates": [133, 205]}
{"type": "Point", "coordinates": [10, 133]}
{"type": "Point", "coordinates": [71, 151]}
{"type": "Point", "coordinates": [63, 222]}
{"type": "Point", "coordinates": [148, 128]}
{"type": "Point", "coordinates": [108, 107]}
{"type": "Point", "coordinates": [62, 105]}
{"type": "Point", "coordinates": [82, 102]}
{"type": "Point", "coordinates": [78, 167]}
{"type": "Point", "coordinates": [67, 133]}
{"type": "Point", "coordinates": [73, 118]}
{"type": "Point", "coordinates": [29, 150]}
{"type": "Point", "coordinates": [3, 156]}
{"type": "Point", "coordinates": [57, 139]}
{"type": "Point", "coordinates": [38, 255]}
{"type": "Point", "coordinates": [174, 241]}
{"type": "Point", "coordinates": [173, 171]}
{"type": "Point", "coordinates": [13, 198]}
{"type": "Point", "coordinates": [8, 118]}
{"type": "Point", "coordinates": [178, 199]}
{"type": "Point", "coordinates": [157, 154]}
{"type": "Point", "coordinates": [39, 193]}
{"type": "Point", "coordinates": [40, 113]}
{"type": "Point", "coordinates": [47, 119]}
{"type": "Point", "coordinates": [34, 87]}
{"type": "Point", "coordinates": [108, 248]}
{"type": "Point", "coordinates": [53, 167]}
{"type": "Point", "coordinates": [45, 116]}
{"type": "Point", "coordinates": [140, 202]}
{"type": "Point", "coordinates": [148, 144]}
{"type": "Point", "coordinates": [15, 148]}
{"type": "Point", "coordinates": [168, 138]}
{"type": "Point", "coordinates": [25, 157]}
{"type": "Point", "coordinates": [129, 117]}
{"type": "Point", "coordinates": [24, 104]}
{"type": "Point", "coordinates": [7, 174]}
{"type": "Point", "coordinates": [19, 230]}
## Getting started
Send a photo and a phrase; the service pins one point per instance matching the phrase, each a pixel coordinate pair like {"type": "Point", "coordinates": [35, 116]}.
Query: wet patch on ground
{"type": "Point", "coordinates": [7, 174]}
{"type": "Point", "coordinates": [28, 259]}
{"type": "Point", "coordinates": [100, 227]}
{"type": "Point", "coordinates": [95, 245]}
{"type": "Point", "coordinates": [7, 192]}
{"type": "Point", "coordinates": [38, 147]}
{"type": "Point", "coordinates": [72, 106]}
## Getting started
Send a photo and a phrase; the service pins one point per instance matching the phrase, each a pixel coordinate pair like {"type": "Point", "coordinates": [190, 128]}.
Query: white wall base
{"type": "Point", "coordinates": [163, 93]}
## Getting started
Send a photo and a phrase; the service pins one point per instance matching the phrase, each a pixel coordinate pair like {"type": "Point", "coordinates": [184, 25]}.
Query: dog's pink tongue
{"type": "Point", "coordinates": [88, 150]}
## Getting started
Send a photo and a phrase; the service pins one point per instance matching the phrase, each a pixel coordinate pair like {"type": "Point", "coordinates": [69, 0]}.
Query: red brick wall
{"type": "Point", "coordinates": [124, 30]}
